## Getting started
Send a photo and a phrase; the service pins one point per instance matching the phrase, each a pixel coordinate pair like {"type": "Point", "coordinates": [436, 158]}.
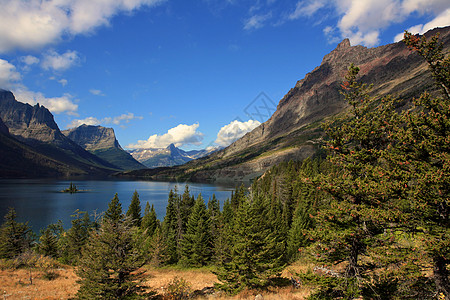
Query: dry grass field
{"type": "Point", "coordinates": [15, 284]}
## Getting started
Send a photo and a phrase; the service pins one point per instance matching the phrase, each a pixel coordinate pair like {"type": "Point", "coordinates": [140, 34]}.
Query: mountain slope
{"type": "Point", "coordinates": [102, 142]}
{"type": "Point", "coordinates": [20, 160]}
{"type": "Point", "coordinates": [35, 127]}
{"type": "Point", "coordinates": [293, 131]}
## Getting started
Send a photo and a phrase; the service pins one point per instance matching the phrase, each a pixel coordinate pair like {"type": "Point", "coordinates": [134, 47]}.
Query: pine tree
{"type": "Point", "coordinates": [48, 241]}
{"type": "Point", "coordinates": [196, 246]}
{"type": "Point", "coordinates": [257, 250]}
{"type": "Point", "coordinates": [114, 211]}
{"type": "Point", "coordinates": [134, 210]}
{"type": "Point", "coordinates": [108, 268]}
{"type": "Point", "coordinates": [149, 220]}
{"type": "Point", "coordinates": [170, 227]}
{"type": "Point", "coordinates": [71, 242]}
{"type": "Point", "coordinates": [15, 237]}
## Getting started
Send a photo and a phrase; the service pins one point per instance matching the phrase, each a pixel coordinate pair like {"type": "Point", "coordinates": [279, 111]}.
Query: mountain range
{"type": "Point", "coordinates": [167, 157]}
{"type": "Point", "coordinates": [32, 145]}
{"type": "Point", "coordinates": [294, 130]}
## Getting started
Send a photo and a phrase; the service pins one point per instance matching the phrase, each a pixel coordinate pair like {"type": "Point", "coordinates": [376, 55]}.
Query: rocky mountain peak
{"type": "Point", "coordinates": [28, 122]}
{"type": "Point", "coordinates": [93, 137]}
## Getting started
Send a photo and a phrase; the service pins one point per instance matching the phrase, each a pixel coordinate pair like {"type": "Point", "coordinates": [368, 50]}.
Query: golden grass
{"type": "Point", "coordinates": [15, 284]}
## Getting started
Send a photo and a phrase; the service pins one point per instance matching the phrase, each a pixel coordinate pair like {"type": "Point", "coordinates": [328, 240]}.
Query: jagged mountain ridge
{"type": "Point", "coordinates": [293, 131]}
{"type": "Point", "coordinates": [167, 157]}
{"type": "Point", "coordinates": [34, 126]}
{"type": "Point", "coordinates": [102, 142]}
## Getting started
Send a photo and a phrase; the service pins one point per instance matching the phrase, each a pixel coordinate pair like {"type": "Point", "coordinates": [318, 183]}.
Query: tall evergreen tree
{"type": "Point", "coordinates": [134, 210]}
{"type": "Point", "coordinates": [73, 240]}
{"type": "Point", "coordinates": [15, 237]}
{"type": "Point", "coordinates": [149, 220]}
{"type": "Point", "coordinates": [257, 250]}
{"type": "Point", "coordinates": [114, 212]}
{"type": "Point", "coordinates": [196, 246]}
{"type": "Point", "coordinates": [170, 227]}
{"type": "Point", "coordinates": [108, 268]}
{"type": "Point", "coordinates": [48, 241]}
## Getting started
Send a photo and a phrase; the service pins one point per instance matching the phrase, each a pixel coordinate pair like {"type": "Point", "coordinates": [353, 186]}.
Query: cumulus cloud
{"type": "Point", "coordinates": [256, 21]}
{"type": "Point", "coordinates": [179, 135]}
{"type": "Point", "coordinates": [39, 23]}
{"type": "Point", "coordinates": [235, 130]}
{"type": "Point", "coordinates": [9, 76]}
{"type": "Point", "coordinates": [59, 62]}
{"type": "Point", "coordinates": [124, 118]}
{"type": "Point", "coordinates": [62, 104]}
{"type": "Point", "coordinates": [363, 21]}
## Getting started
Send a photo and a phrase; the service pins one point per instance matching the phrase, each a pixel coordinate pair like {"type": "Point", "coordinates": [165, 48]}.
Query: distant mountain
{"type": "Point", "coordinates": [34, 126]}
{"type": "Point", "coordinates": [102, 142]}
{"type": "Point", "coordinates": [294, 131]}
{"type": "Point", "coordinates": [167, 157]}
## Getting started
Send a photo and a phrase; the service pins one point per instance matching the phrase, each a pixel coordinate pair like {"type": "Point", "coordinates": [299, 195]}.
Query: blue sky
{"type": "Point", "coordinates": [194, 73]}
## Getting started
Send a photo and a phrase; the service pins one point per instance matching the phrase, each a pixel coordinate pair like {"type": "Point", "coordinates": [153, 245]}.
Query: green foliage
{"type": "Point", "coordinates": [114, 212]}
{"type": "Point", "coordinates": [170, 227]}
{"type": "Point", "coordinates": [71, 242]}
{"type": "Point", "coordinates": [257, 248]}
{"type": "Point", "coordinates": [48, 241]}
{"type": "Point", "coordinates": [108, 268]}
{"type": "Point", "coordinates": [134, 210]}
{"type": "Point", "coordinates": [149, 221]}
{"type": "Point", "coordinates": [196, 246]}
{"type": "Point", "coordinates": [15, 237]}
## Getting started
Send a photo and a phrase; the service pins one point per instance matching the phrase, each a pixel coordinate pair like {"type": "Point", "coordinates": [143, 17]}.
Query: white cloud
{"type": "Point", "coordinates": [29, 60]}
{"type": "Point", "coordinates": [30, 24]}
{"type": "Point", "coordinates": [256, 21]}
{"type": "Point", "coordinates": [441, 20]}
{"type": "Point", "coordinates": [96, 92]}
{"type": "Point", "coordinates": [59, 62]}
{"type": "Point", "coordinates": [86, 121]}
{"type": "Point", "coordinates": [8, 75]}
{"type": "Point", "coordinates": [10, 79]}
{"type": "Point", "coordinates": [306, 8]}
{"type": "Point", "coordinates": [124, 118]}
{"type": "Point", "coordinates": [63, 82]}
{"type": "Point", "coordinates": [179, 135]}
{"type": "Point", "coordinates": [63, 104]}
{"type": "Point", "coordinates": [363, 21]}
{"type": "Point", "coordinates": [235, 130]}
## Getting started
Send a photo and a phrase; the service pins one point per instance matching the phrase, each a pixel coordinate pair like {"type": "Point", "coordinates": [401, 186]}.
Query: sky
{"type": "Point", "coordinates": [196, 73]}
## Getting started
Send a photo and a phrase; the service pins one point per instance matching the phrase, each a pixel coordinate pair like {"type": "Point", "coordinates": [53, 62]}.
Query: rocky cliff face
{"type": "Point", "coordinates": [102, 142]}
{"type": "Point", "coordinates": [36, 127]}
{"type": "Point", "coordinates": [26, 122]}
{"type": "Point", "coordinates": [93, 137]}
{"type": "Point", "coordinates": [293, 131]}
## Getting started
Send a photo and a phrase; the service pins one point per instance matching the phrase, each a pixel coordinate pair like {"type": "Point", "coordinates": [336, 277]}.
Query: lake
{"type": "Point", "coordinates": [41, 202]}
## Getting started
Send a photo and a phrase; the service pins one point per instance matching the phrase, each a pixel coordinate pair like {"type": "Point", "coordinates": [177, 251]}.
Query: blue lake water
{"type": "Point", "coordinates": [40, 202]}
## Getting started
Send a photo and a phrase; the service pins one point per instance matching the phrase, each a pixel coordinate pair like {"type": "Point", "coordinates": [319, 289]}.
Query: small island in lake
{"type": "Point", "coordinates": [71, 189]}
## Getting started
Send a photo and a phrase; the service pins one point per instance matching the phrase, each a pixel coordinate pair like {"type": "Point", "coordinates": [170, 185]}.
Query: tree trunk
{"type": "Point", "coordinates": [441, 274]}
